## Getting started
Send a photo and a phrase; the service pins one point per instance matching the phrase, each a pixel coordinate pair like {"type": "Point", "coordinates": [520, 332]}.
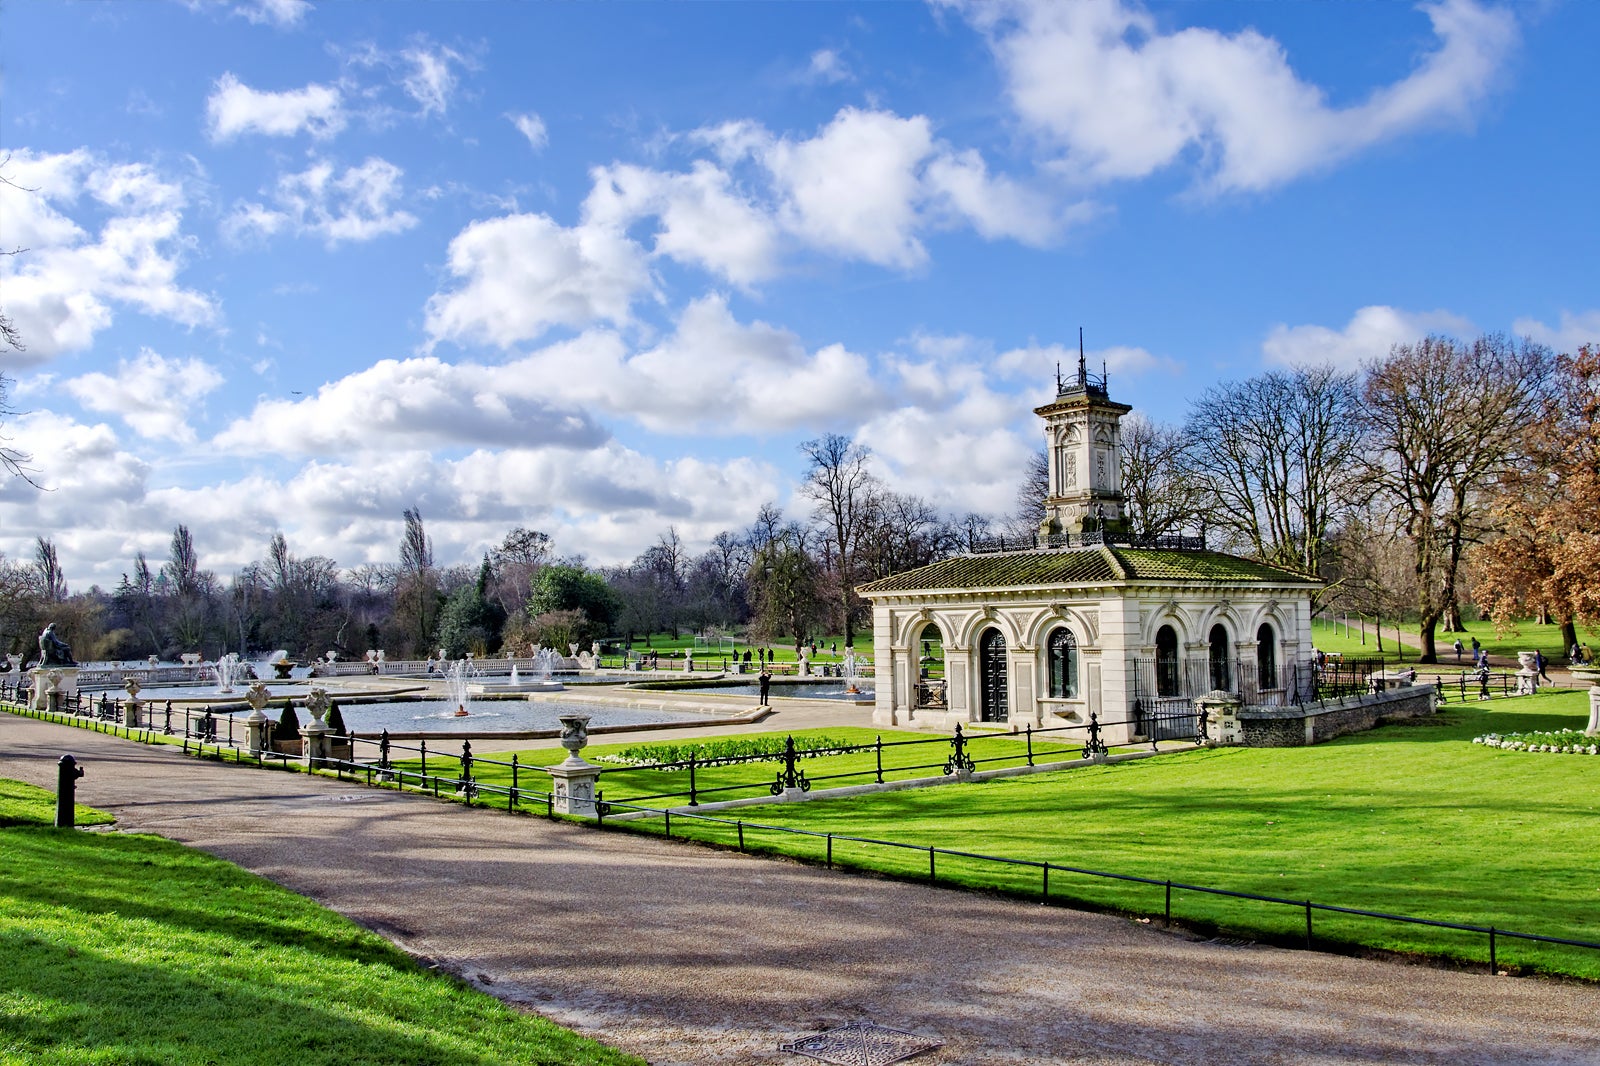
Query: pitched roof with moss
{"type": "Point", "coordinates": [1099, 565]}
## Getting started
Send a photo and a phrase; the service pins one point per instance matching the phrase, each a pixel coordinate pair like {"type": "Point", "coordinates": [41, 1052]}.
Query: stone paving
{"type": "Point", "coordinates": [687, 955]}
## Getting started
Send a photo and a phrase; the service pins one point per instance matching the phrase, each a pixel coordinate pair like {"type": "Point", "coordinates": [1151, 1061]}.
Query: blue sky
{"type": "Point", "coordinates": [597, 269]}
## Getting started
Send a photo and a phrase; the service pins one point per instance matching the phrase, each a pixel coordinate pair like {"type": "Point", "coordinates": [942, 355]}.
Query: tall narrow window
{"type": "Point", "coordinates": [1221, 661]}
{"type": "Point", "coordinates": [1266, 657]}
{"type": "Point", "coordinates": [1167, 661]}
{"type": "Point", "coordinates": [1063, 651]}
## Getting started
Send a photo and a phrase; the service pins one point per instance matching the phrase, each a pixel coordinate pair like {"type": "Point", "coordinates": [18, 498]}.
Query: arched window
{"type": "Point", "coordinates": [1167, 661]}
{"type": "Point", "coordinates": [1266, 657]}
{"type": "Point", "coordinates": [1221, 661]}
{"type": "Point", "coordinates": [1063, 654]}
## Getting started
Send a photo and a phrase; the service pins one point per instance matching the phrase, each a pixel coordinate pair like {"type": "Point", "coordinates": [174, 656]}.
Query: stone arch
{"type": "Point", "coordinates": [1084, 630]}
{"type": "Point", "coordinates": [1167, 614]}
{"type": "Point", "coordinates": [1004, 621]}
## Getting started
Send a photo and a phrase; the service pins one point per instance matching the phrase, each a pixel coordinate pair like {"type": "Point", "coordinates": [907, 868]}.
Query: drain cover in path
{"type": "Point", "coordinates": [861, 1044]}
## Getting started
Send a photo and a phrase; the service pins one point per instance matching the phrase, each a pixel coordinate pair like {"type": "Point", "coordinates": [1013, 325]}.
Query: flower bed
{"type": "Point", "coordinates": [1564, 741]}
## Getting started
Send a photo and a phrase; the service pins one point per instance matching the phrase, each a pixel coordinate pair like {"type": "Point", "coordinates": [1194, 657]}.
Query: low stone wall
{"type": "Point", "coordinates": [1312, 723]}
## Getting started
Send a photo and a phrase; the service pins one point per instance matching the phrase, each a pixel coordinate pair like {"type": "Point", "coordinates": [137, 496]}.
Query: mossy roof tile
{"type": "Point", "coordinates": [1083, 566]}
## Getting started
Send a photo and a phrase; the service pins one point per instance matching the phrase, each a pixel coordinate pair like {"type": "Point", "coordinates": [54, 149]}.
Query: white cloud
{"type": "Point", "coordinates": [828, 67]}
{"type": "Point", "coordinates": [154, 395]}
{"type": "Point", "coordinates": [429, 78]}
{"type": "Point", "coordinates": [356, 205]}
{"type": "Point", "coordinates": [531, 126]}
{"type": "Point", "coordinates": [1575, 331]}
{"type": "Point", "coordinates": [421, 402]}
{"type": "Point", "coordinates": [704, 220]}
{"type": "Point", "coordinates": [1369, 334]}
{"type": "Point", "coordinates": [853, 189]}
{"type": "Point", "coordinates": [234, 108]}
{"type": "Point", "coordinates": [284, 14]}
{"type": "Point", "coordinates": [1102, 82]}
{"type": "Point", "coordinates": [713, 375]}
{"type": "Point", "coordinates": [524, 274]}
{"type": "Point", "coordinates": [63, 290]}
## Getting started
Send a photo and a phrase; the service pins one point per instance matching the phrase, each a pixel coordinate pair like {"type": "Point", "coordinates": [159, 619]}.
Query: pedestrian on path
{"type": "Point", "coordinates": [1459, 649]}
{"type": "Point", "coordinates": [1540, 661]}
{"type": "Point", "coordinates": [766, 685]}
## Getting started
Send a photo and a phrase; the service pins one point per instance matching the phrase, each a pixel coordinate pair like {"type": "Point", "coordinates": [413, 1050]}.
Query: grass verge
{"type": "Point", "coordinates": [134, 950]}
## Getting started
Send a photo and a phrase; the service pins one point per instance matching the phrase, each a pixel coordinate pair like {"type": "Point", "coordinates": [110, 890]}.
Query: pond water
{"type": "Point", "coordinates": [492, 716]}
{"type": "Point", "coordinates": [810, 690]}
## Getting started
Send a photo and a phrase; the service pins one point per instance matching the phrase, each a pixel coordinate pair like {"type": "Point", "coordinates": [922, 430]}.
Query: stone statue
{"type": "Point", "coordinates": [53, 651]}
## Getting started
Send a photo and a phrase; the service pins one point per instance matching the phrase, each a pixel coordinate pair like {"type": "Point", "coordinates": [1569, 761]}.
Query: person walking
{"type": "Point", "coordinates": [766, 685]}
{"type": "Point", "coordinates": [1540, 661]}
{"type": "Point", "coordinates": [1459, 649]}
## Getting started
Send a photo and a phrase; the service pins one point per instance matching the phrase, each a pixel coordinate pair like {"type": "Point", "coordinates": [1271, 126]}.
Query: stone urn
{"type": "Point", "coordinates": [131, 684]}
{"type": "Point", "coordinates": [574, 735]}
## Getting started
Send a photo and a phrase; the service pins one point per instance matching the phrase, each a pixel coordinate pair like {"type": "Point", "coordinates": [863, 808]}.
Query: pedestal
{"type": "Point", "coordinates": [54, 688]}
{"type": "Point", "coordinates": [573, 787]}
{"type": "Point", "coordinates": [1590, 675]}
{"type": "Point", "coordinates": [317, 745]}
{"type": "Point", "coordinates": [130, 713]}
{"type": "Point", "coordinates": [1222, 717]}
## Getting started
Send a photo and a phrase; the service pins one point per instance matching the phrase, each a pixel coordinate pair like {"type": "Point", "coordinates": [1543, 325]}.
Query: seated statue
{"type": "Point", "coordinates": [53, 651]}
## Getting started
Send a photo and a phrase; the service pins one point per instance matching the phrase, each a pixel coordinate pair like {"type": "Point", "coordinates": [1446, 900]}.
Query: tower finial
{"type": "Point", "coordinates": [1083, 370]}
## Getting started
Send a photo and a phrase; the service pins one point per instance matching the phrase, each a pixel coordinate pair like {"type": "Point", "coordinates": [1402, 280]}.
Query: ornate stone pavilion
{"type": "Point", "coordinates": [1085, 617]}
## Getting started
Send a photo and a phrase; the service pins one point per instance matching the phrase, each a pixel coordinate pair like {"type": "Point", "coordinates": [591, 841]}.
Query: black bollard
{"type": "Point", "coordinates": [67, 773]}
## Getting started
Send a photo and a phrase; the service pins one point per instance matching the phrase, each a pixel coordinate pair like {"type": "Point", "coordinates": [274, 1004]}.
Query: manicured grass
{"type": "Point", "coordinates": [22, 804]}
{"type": "Point", "coordinates": [905, 754]}
{"type": "Point", "coordinates": [134, 950]}
{"type": "Point", "coordinates": [1407, 819]}
{"type": "Point", "coordinates": [1527, 635]}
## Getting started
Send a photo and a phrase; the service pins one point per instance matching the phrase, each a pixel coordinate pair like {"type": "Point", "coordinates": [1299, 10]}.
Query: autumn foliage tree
{"type": "Point", "coordinates": [1546, 556]}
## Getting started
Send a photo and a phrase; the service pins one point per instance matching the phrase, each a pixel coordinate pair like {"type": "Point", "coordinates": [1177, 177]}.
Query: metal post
{"type": "Point", "coordinates": [878, 747]}
{"type": "Point", "coordinates": [67, 773]}
{"type": "Point", "coordinates": [931, 874]}
{"type": "Point", "coordinates": [1169, 904]}
{"type": "Point", "coordinates": [1030, 743]}
{"type": "Point", "coordinates": [424, 745]}
{"type": "Point", "coordinates": [693, 802]}
{"type": "Point", "coordinates": [1308, 925]}
{"type": "Point", "coordinates": [741, 836]}
{"type": "Point", "coordinates": [1044, 892]}
{"type": "Point", "coordinates": [1493, 968]}
{"type": "Point", "coordinates": [467, 788]}
{"type": "Point", "coordinates": [830, 851]}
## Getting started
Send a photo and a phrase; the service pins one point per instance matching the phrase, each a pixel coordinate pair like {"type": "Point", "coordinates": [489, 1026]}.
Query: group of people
{"type": "Point", "coordinates": [1580, 655]}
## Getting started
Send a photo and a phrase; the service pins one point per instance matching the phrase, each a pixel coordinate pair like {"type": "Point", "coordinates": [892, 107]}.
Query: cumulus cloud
{"type": "Point", "coordinates": [234, 108]}
{"type": "Point", "coordinates": [1369, 334]}
{"type": "Point", "coordinates": [98, 235]}
{"type": "Point", "coordinates": [522, 275]}
{"type": "Point", "coordinates": [415, 403]}
{"type": "Point", "coordinates": [1102, 82]}
{"type": "Point", "coordinates": [531, 126]}
{"type": "Point", "coordinates": [355, 205]}
{"type": "Point", "coordinates": [712, 375]}
{"type": "Point", "coordinates": [703, 218]}
{"type": "Point", "coordinates": [154, 395]}
{"type": "Point", "coordinates": [1573, 332]}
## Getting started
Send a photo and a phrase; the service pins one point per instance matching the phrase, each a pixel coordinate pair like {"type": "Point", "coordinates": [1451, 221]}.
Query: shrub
{"type": "Point", "coordinates": [288, 725]}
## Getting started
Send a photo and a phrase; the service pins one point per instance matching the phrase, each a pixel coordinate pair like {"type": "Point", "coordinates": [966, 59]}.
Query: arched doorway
{"type": "Point", "coordinates": [1221, 661]}
{"type": "Point", "coordinates": [1266, 658]}
{"type": "Point", "coordinates": [930, 684]}
{"type": "Point", "coordinates": [1167, 661]}
{"type": "Point", "coordinates": [992, 677]}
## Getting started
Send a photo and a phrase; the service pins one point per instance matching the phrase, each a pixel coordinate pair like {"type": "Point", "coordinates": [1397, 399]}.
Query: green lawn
{"type": "Point", "coordinates": [1525, 636]}
{"type": "Point", "coordinates": [1406, 819]}
{"type": "Point", "coordinates": [134, 950]}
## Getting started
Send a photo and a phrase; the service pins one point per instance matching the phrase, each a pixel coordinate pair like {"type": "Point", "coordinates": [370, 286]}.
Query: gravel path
{"type": "Point", "coordinates": [687, 955]}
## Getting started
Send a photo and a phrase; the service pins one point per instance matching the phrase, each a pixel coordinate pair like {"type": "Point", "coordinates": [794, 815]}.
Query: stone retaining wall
{"type": "Point", "coordinates": [1312, 723]}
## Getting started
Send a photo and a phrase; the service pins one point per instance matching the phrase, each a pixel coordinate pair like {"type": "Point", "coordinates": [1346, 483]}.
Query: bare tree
{"type": "Point", "coordinates": [841, 486]}
{"type": "Point", "coordinates": [52, 582]}
{"type": "Point", "coordinates": [1443, 420]}
{"type": "Point", "coordinates": [1161, 493]}
{"type": "Point", "coordinates": [418, 588]}
{"type": "Point", "coordinates": [1031, 494]}
{"type": "Point", "coordinates": [1280, 455]}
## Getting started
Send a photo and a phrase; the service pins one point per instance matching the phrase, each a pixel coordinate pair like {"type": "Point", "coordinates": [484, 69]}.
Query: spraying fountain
{"type": "Point", "coordinates": [229, 670]}
{"type": "Point", "coordinates": [545, 662]}
{"type": "Point", "coordinates": [457, 685]}
{"type": "Point", "coordinates": [851, 671]}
